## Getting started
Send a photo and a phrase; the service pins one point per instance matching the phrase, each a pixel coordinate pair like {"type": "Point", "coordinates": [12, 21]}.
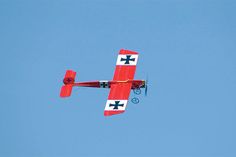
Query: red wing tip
{"type": "Point", "coordinates": [70, 71]}
{"type": "Point", "coordinates": [64, 96]}
{"type": "Point", "coordinates": [110, 113]}
{"type": "Point", "coordinates": [122, 51]}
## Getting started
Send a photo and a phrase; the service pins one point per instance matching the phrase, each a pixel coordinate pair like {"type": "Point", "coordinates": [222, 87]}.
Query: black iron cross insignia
{"type": "Point", "coordinates": [127, 59]}
{"type": "Point", "coordinates": [104, 84]}
{"type": "Point", "coordinates": [116, 105]}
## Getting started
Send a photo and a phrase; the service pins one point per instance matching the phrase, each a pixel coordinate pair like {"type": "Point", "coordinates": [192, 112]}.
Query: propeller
{"type": "Point", "coordinates": [146, 86]}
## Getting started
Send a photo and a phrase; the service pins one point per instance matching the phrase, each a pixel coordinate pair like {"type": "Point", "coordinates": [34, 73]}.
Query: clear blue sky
{"type": "Point", "coordinates": [188, 49]}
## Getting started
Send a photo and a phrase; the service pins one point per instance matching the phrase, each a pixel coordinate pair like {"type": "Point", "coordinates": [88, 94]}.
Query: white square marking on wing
{"type": "Point", "coordinates": [128, 59]}
{"type": "Point", "coordinates": [116, 105]}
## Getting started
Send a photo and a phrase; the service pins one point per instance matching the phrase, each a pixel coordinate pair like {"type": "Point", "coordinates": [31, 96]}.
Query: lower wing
{"type": "Point", "coordinates": [117, 99]}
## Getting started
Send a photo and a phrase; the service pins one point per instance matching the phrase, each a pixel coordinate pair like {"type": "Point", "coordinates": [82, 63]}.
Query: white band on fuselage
{"type": "Point", "coordinates": [104, 84]}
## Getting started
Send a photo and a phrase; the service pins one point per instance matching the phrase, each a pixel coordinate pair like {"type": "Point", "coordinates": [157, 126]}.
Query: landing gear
{"type": "Point", "coordinates": [137, 91]}
{"type": "Point", "coordinates": [135, 100]}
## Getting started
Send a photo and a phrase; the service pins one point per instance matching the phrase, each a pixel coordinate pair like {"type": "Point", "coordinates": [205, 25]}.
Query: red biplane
{"type": "Point", "coordinates": [121, 85]}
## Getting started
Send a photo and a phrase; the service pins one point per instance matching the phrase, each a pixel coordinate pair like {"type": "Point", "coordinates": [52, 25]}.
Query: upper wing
{"type": "Point", "coordinates": [119, 93]}
{"type": "Point", "coordinates": [125, 65]}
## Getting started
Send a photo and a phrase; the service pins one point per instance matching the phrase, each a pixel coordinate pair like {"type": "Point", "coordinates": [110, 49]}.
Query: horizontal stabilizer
{"type": "Point", "coordinates": [69, 77]}
{"type": "Point", "coordinates": [66, 90]}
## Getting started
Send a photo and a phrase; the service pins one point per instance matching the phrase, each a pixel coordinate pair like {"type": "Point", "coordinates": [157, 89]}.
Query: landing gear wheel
{"type": "Point", "coordinates": [137, 91]}
{"type": "Point", "coordinates": [135, 100]}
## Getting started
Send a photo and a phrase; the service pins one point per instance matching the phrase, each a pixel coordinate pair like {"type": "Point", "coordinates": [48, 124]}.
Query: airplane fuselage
{"type": "Point", "coordinates": [108, 84]}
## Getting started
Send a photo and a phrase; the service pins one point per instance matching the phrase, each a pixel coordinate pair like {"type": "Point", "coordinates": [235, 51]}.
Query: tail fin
{"type": "Point", "coordinates": [68, 80]}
